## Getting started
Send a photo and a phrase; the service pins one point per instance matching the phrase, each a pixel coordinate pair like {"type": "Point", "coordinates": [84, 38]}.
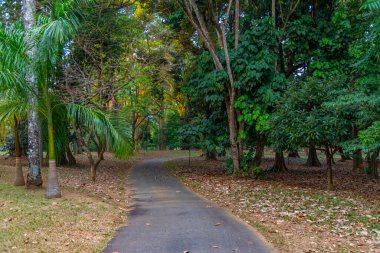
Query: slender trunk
{"type": "Point", "coordinates": [134, 130]}
{"type": "Point", "coordinates": [162, 144]}
{"type": "Point", "coordinates": [78, 147]}
{"type": "Point", "coordinates": [374, 164]}
{"type": "Point", "coordinates": [34, 171]}
{"type": "Point", "coordinates": [357, 163]}
{"type": "Point", "coordinates": [91, 161]}
{"type": "Point", "coordinates": [52, 189]}
{"type": "Point", "coordinates": [273, 7]}
{"type": "Point", "coordinates": [93, 172]}
{"type": "Point", "coordinates": [237, 22]}
{"type": "Point", "coordinates": [279, 163]}
{"type": "Point", "coordinates": [259, 150]}
{"type": "Point", "coordinates": [190, 8]}
{"type": "Point", "coordinates": [312, 158]}
{"type": "Point", "coordinates": [330, 185]}
{"type": "Point", "coordinates": [94, 165]}
{"type": "Point", "coordinates": [233, 135]}
{"type": "Point", "coordinates": [70, 156]}
{"type": "Point", "coordinates": [19, 181]}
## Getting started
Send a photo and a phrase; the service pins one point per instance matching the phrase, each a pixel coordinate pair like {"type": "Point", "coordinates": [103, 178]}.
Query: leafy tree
{"type": "Point", "coordinates": [303, 116]}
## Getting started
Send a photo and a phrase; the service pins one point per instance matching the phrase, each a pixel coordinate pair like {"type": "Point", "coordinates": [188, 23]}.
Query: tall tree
{"type": "Point", "coordinates": [34, 128]}
{"type": "Point", "coordinates": [220, 17]}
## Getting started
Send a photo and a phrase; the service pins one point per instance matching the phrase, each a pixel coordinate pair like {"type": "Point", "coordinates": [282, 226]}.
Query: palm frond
{"type": "Point", "coordinates": [371, 5]}
{"type": "Point", "coordinates": [107, 126]}
{"type": "Point", "coordinates": [14, 60]}
{"type": "Point", "coordinates": [13, 108]}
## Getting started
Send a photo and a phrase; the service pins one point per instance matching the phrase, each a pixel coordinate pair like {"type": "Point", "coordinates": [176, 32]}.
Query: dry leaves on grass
{"type": "Point", "coordinates": [292, 210]}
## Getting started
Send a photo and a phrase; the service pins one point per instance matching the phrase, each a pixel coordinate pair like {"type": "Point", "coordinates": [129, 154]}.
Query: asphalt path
{"type": "Point", "coordinates": [168, 218]}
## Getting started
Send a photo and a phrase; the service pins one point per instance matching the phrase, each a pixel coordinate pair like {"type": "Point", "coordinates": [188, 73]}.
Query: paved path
{"type": "Point", "coordinates": [167, 218]}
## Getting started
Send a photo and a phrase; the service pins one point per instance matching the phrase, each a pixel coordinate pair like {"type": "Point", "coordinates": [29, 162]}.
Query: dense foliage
{"type": "Point", "coordinates": [227, 77]}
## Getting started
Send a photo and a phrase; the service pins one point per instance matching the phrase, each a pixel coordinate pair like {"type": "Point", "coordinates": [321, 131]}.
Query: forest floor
{"type": "Point", "coordinates": [83, 220]}
{"type": "Point", "coordinates": [293, 210]}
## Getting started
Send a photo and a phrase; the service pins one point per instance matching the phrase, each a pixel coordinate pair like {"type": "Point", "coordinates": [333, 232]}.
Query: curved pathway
{"type": "Point", "coordinates": [168, 218]}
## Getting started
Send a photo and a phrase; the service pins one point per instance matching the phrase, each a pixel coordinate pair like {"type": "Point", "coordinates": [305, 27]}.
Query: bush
{"type": "Point", "coordinates": [258, 172]}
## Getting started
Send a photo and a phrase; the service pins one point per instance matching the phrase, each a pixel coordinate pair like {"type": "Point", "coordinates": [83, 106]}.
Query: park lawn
{"type": "Point", "coordinates": [292, 210]}
{"type": "Point", "coordinates": [83, 220]}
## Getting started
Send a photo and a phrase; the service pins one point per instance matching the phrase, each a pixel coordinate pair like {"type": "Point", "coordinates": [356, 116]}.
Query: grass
{"type": "Point", "coordinates": [31, 223]}
{"type": "Point", "coordinates": [83, 220]}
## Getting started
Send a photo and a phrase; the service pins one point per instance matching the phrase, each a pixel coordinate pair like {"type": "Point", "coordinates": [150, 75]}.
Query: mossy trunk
{"type": "Point", "coordinates": [312, 158]}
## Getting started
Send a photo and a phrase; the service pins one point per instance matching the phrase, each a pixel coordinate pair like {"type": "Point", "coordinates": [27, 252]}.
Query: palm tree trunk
{"type": "Point", "coordinates": [34, 173]}
{"type": "Point", "coordinates": [52, 189]}
{"type": "Point", "coordinates": [19, 181]}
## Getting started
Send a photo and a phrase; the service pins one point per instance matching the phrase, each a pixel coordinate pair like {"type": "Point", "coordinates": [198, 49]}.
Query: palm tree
{"type": "Point", "coordinates": [13, 110]}
{"type": "Point", "coordinates": [34, 174]}
{"type": "Point", "coordinates": [13, 106]}
{"type": "Point", "coordinates": [54, 30]}
{"type": "Point", "coordinates": [105, 128]}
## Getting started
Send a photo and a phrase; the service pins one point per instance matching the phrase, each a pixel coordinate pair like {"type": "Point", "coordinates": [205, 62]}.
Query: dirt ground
{"type": "Point", "coordinates": [293, 210]}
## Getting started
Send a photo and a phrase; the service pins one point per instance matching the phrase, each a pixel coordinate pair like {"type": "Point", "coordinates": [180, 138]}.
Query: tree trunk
{"type": "Point", "coordinates": [162, 144]}
{"type": "Point", "coordinates": [70, 156]}
{"type": "Point", "coordinates": [52, 189]}
{"type": "Point", "coordinates": [374, 164]}
{"type": "Point", "coordinates": [211, 155]}
{"type": "Point", "coordinates": [357, 161]}
{"type": "Point", "coordinates": [62, 157]}
{"type": "Point", "coordinates": [19, 181]}
{"type": "Point", "coordinates": [190, 8]}
{"type": "Point", "coordinates": [78, 146]}
{"type": "Point", "coordinates": [34, 171]}
{"type": "Point", "coordinates": [259, 150]}
{"type": "Point", "coordinates": [330, 184]}
{"type": "Point", "coordinates": [294, 154]}
{"type": "Point", "coordinates": [233, 135]}
{"type": "Point", "coordinates": [312, 158]}
{"type": "Point", "coordinates": [134, 130]}
{"type": "Point", "coordinates": [94, 166]}
{"type": "Point", "coordinates": [279, 163]}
